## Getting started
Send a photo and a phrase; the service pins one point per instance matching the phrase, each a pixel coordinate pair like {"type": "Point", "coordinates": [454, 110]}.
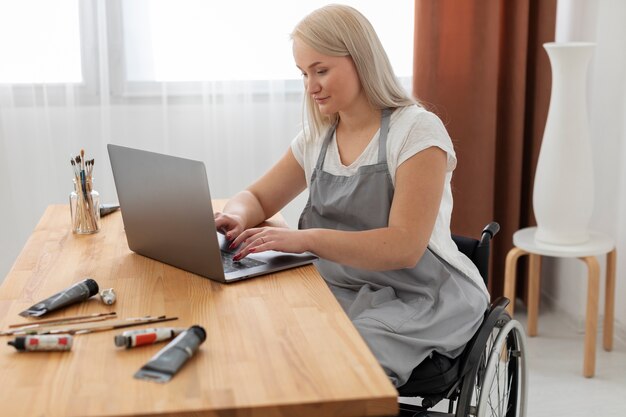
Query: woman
{"type": "Point", "coordinates": [378, 169]}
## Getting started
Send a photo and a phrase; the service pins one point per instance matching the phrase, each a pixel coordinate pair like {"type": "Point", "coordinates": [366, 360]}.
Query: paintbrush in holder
{"type": "Point", "coordinates": [84, 200]}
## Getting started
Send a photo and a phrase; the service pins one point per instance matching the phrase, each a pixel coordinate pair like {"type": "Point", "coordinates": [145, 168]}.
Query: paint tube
{"type": "Point", "coordinates": [132, 338]}
{"type": "Point", "coordinates": [42, 343]}
{"type": "Point", "coordinates": [74, 294]}
{"type": "Point", "coordinates": [166, 363]}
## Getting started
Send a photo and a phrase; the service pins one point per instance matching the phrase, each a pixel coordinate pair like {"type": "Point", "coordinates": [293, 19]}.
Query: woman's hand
{"type": "Point", "coordinates": [261, 239]}
{"type": "Point", "coordinates": [281, 184]}
{"type": "Point", "coordinates": [231, 225]}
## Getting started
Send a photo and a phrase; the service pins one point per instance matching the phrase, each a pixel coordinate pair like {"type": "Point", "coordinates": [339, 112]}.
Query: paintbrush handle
{"type": "Point", "coordinates": [63, 319]}
{"type": "Point", "coordinates": [48, 326]}
{"type": "Point", "coordinates": [85, 203]}
{"type": "Point", "coordinates": [120, 326]}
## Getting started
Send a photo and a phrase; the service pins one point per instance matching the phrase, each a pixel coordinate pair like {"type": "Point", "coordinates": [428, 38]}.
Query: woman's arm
{"type": "Point", "coordinates": [416, 201]}
{"type": "Point", "coordinates": [281, 184]}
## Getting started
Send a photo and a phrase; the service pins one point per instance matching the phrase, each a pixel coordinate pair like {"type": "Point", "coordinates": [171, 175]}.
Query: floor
{"type": "Point", "coordinates": [556, 385]}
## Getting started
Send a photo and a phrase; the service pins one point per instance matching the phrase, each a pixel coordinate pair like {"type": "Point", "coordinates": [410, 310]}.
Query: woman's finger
{"type": "Point", "coordinates": [229, 225]}
{"type": "Point", "coordinates": [241, 238]}
{"type": "Point", "coordinates": [251, 239]}
{"type": "Point", "coordinates": [255, 245]}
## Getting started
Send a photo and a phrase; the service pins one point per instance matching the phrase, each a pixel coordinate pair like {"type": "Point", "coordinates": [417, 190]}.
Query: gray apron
{"type": "Point", "coordinates": [403, 315]}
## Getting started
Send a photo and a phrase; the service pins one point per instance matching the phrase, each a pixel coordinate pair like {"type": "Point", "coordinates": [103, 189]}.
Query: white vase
{"type": "Point", "coordinates": [563, 189]}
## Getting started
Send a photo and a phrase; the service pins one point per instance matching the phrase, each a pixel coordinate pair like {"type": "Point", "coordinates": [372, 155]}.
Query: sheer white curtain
{"type": "Point", "coordinates": [133, 87]}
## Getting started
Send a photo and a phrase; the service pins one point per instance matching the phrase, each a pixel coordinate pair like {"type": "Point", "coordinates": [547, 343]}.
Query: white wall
{"type": "Point", "coordinates": [564, 283]}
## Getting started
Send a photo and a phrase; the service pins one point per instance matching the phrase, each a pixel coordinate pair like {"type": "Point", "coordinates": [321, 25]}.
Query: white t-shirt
{"type": "Point", "coordinates": [411, 130]}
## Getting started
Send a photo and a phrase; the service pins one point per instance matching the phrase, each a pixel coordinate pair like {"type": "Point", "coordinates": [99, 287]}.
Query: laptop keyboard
{"type": "Point", "coordinates": [232, 266]}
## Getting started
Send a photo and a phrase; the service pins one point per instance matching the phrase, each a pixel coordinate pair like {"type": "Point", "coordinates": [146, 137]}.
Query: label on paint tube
{"type": "Point", "coordinates": [132, 338]}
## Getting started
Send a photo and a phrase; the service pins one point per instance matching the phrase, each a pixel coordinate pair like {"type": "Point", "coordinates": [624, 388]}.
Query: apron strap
{"type": "Point", "coordinates": [382, 137]}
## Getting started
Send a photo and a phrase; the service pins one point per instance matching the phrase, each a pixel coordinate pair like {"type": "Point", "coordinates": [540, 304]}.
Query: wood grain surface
{"type": "Point", "coordinates": [278, 345]}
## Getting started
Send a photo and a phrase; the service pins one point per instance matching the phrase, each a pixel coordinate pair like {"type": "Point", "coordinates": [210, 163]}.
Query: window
{"type": "Point", "coordinates": [40, 42]}
{"type": "Point", "coordinates": [123, 49]}
{"type": "Point", "coordinates": [199, 40]}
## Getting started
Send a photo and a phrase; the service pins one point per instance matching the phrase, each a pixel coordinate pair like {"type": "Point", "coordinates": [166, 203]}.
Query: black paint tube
{"type": "Point", "coordinates": [164, 365]}
{"type": "Point", "coordinates": [74, 294]}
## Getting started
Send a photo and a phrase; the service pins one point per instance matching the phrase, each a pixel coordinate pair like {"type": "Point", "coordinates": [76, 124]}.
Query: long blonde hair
{"type": "Point", "coordinates": [339, 30]}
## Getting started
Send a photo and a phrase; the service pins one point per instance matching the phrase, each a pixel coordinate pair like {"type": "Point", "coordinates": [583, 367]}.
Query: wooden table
{"type": "Point", "coordinates": [278, 345]}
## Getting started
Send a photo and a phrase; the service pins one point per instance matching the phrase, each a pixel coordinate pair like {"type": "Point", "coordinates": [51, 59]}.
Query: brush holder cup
{"type": "Point", "coordinates": [85, 207]}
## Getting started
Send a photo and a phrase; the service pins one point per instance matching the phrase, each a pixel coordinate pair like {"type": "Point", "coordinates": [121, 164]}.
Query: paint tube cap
{"type": "Point", "coordinates": [19, 343]}
{"type": "Point", "coordinates": [92, 285]}
{"type": "Point", "coordinates": [121, 340]}
{"type": "Point", "coordinates": [199, 331]}
{"type": "Point", "coordinates": [108, 296]}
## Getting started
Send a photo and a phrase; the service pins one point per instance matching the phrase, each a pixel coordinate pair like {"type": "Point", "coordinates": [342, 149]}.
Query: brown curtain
{"type": "Point", "coordinates": [480, 65]}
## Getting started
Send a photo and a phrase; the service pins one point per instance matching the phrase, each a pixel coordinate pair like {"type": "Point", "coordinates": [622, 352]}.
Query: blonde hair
{"type": "Point", "coordinates": [338, 30]}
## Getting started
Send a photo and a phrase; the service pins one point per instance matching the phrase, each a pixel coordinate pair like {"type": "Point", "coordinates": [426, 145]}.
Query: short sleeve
{"type": "Point", "coordinates": [427, 130]}
{"type": "Point", "coordinates": [298, 148]}
{"type": "Point", "coordinates": [305, 151]}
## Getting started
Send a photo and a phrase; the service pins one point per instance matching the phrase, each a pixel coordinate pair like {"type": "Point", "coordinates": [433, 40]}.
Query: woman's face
{"type": "Point", "coordinates": [331, 81]}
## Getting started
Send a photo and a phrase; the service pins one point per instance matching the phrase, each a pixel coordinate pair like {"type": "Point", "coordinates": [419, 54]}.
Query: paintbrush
{"type": "Point", "coordinates": [122, 325]}
{"type": "Point", "coordinates": [63, 319]}
{"type": "Point", "coordinates": [89, 183]}
{"type": "Point", "coordinates": [103, 327]}
{"type": "Point", "coordinates": [82, 194]}
{"type": "Point", "coordinates": [78, 215]}
{"type": "Point", "coordinates": [86, 211]}
{"type": "Point", "coordinates": [51, 326]}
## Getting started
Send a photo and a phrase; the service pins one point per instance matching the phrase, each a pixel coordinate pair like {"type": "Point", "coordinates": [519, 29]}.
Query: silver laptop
{"type": "Point", "coordinates": [168, 216]}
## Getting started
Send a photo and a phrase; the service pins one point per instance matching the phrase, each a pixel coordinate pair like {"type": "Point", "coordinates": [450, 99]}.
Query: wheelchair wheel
{"type": "Point", "coordinates": [496, 387]}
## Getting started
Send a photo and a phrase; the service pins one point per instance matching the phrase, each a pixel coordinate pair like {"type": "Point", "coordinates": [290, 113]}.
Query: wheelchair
{"type": "Point", "coordinates": [490, 377]}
